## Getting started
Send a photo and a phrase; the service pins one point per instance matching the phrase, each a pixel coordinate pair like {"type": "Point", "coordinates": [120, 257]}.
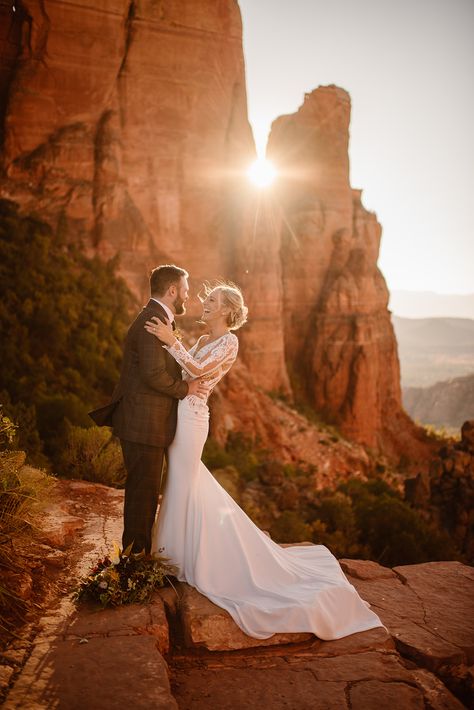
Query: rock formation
{"type": "Point", "coordinates": [121, 121]}
{"type": "Point", "coordinates": [125, 126]}
{"type": "Point", "coordinates": [337, 326]}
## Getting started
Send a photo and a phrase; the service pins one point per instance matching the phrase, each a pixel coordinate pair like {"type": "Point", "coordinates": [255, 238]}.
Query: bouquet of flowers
{"type": "Point", "coordinates": [124, 577]}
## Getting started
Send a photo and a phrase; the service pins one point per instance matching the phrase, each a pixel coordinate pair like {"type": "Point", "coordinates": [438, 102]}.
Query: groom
{"type": "Point", "coordinates": [143, 408]}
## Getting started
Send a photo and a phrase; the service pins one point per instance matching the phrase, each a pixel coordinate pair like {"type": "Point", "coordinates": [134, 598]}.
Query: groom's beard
{"type": "Point", "coordinates": [178, 306]}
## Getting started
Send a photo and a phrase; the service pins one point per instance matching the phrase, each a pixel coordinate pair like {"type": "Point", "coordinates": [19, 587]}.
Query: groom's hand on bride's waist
{"type": "Point", "coordinates": [197, 387]}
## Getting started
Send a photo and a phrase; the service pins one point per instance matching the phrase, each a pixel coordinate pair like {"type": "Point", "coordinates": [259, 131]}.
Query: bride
{"type": "Point", "coordinates": [217, 549]}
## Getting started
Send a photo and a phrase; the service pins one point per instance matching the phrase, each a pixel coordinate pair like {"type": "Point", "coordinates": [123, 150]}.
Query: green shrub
{"type": "Point", "coordinates": [290, 527]}
{"type": "Point", "coordinates": [366, 519]}
{"type": "Point", "coordinates": [244, 455]}
{"type": "Point", "coordinates": [397, 534]}
{"type": "Point", "coordinates": [337, 513]}
{"type": "Point", "coordinates": [229, 479]}
{"type": "Point", "coordinates": [372, 517]}
{"type": "Point", "coordinates": [7, 430]}
{"type": "Point", "coordinates": [215, 456]}
{"type": "Point", "coordinates": [21, 487]}
{"type": "Point", "coordinates": [64, 318]}
{"type": "Point", "coordinates": [92, 454]}
{"type": "Point", "coordinates": [239, 452]}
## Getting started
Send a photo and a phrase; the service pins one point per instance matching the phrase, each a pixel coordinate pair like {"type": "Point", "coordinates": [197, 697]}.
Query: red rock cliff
{"type": "Point", "coordinates": [122, 119]}
{"type": "Point", "coordinates": [339, 339]}
{"type": "Point", "coordinates": [125, 126]}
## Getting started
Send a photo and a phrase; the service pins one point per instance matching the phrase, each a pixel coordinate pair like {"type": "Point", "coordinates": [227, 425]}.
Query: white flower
{"type": "Point", "coordinates": [103, 584]}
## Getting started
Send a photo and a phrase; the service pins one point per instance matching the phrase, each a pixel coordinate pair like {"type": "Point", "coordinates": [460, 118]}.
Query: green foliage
{"type": "Point", "coordinates": [336, 512]}
{"type": "Point", "coordinates": [229, 479]}
{"type": "Point", "coordinates": [289, 527]}
{"type": "Point", "coordinates": [63, 318]}
{"type": "Point", "coordinates": [27, 437]}
{"type": "Point", "coordinates": [92, 454]}
{"type": "Point", "coordinates": [239, 451]}
{"type": "Point", "coordinates": [21, 487]}
{"type": "Point", "coordinates": [245, 456]}
{"type": "Point", "coordinates": [7, 430]}
{"type": "Point", "coordinates": [215, 456]}
{"type": "Point", "coordinates": [370, 518]}
{"type": "Point", "coordinates": [397, 533]}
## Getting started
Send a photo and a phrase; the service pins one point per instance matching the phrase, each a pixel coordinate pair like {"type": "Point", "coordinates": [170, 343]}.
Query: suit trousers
{"type": "Point", "coordinates": [144, 465]}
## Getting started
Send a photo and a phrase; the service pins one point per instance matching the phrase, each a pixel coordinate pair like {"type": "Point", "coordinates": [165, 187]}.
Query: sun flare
{"type": "Point", "coordinates": [262, 173]}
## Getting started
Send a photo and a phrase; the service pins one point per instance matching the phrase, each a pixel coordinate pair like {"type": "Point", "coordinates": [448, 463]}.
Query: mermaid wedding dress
{"type": "Point", "coordinates": [218, 550]}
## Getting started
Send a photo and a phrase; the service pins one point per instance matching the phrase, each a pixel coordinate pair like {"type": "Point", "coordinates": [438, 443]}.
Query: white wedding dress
{"type": "Point", "coordinates": [217, 549]}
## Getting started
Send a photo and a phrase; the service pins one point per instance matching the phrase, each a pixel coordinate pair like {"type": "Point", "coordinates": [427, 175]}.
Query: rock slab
{"type": "Point", "coordinates": [100, 674]}
{"type": "Point", "coordinates": [428, 609]}
{"type": "Point", "coordinates": [207, 625]}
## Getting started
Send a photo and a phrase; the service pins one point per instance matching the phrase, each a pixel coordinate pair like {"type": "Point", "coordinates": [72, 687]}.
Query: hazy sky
{"type": "Point", "coordinates": [409, 68]}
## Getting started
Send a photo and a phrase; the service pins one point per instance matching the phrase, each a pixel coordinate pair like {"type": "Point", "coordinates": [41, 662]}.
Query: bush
{"type": "Point", "coordinates": [20, 489]}
{"type": "Point", "coordinates": [7, 430]}
{"type": "Point", "coordinates": [64, 318]}
{"type": "Point", "coordinates": [397, 534]}
{"type": "Point", "coordinates": [92, 454]}
{"type": "Point", "coordinates": [239, 452]}
{"type": "Point", "coordinates": [214, 456]}
{"type": "Point", "coordinates": [370, 519]}
{"type": "Point", "coordinates": [229, 479]}
{"type": "Point", "coordinates": [290, 527]}
{"type": "Point", "coordinates": [244, 455]}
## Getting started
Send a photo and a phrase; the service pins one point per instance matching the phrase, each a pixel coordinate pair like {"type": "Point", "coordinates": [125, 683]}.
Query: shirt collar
{"type": "Point", "coordinates": [166, 309]}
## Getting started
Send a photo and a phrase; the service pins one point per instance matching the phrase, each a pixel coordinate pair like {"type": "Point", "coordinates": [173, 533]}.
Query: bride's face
{"type": "Point", "coordinates": [213, 308]}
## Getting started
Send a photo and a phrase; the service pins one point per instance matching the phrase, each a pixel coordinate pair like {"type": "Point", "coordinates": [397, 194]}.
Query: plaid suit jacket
{"type": "Point", "coordinates": [143, 407]}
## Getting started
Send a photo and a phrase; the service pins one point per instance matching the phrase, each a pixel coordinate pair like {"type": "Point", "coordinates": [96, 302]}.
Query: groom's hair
{"type": "Point", "coordinates": [165, 276]}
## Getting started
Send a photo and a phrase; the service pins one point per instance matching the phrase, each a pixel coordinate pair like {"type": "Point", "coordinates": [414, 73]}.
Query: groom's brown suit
{"type": "Point", "coordinates": [143, 412]}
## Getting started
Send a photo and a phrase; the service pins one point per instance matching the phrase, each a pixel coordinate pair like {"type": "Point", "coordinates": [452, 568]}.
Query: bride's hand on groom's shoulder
{"type": "Point", "coordinates": [160, 330]}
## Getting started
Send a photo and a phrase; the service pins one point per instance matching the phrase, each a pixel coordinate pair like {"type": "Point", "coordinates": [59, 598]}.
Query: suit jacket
{"type": "Point", "coordinates": [143, 407]}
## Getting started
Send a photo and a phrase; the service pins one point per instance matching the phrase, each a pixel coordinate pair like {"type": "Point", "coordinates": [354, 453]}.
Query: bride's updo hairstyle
{"type": "Point", "coordinates": [232, 298]}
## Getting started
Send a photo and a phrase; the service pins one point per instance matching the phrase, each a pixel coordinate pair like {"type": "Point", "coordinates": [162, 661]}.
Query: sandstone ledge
{"type": "Point", "coordinates": [428, 609]}
{"type": "Point", "coordinates": [205, 624]}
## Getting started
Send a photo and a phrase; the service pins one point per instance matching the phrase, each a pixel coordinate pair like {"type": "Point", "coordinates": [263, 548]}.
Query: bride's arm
{"type": "Point", "coordinates": [225, 350]}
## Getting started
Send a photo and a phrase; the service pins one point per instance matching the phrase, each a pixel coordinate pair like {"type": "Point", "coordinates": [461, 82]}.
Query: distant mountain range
{"type": "Point", "coordinates": [446, 404]}
{"type": "Point", "coordinates": [437, 368]}
{"type": "Point", "coordinates": [428, 304]}
{"type": "Point", "coordinates": [434, 349]}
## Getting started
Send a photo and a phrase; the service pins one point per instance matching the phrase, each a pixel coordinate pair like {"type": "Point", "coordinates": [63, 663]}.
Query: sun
{"type": "Point", "coordinates": [262, 173]}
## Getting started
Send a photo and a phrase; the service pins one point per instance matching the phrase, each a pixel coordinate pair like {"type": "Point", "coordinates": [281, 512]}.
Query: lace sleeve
{"type": "Point", "coordinates": [224, 351]}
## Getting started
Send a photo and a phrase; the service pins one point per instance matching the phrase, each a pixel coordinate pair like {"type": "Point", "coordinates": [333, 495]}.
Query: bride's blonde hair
{"type": "Point", "coordinates": [232, 298]}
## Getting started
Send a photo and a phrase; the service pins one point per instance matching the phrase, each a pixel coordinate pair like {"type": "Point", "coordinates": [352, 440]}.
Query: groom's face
{"type": "Point", "coordinates": [181, 296]}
